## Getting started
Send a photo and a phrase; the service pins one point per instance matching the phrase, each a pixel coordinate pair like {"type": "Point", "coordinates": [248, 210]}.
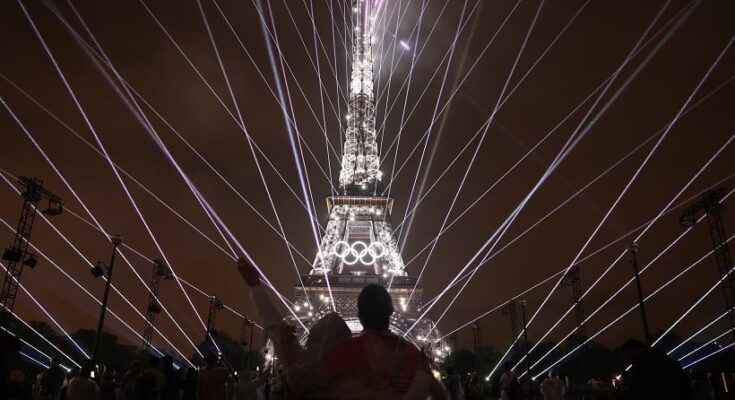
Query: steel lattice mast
{"type": "Point", "coordinates": [160, 270]}
{"type": "Point", "coordinates": [17, 255]}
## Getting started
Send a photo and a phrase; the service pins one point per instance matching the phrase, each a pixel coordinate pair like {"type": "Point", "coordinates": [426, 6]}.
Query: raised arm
{"type": "Point", "coordinates": [267, 312]}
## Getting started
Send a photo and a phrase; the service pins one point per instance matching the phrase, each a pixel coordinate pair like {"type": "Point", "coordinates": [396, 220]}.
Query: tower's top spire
{"type": "Point", "coordinates": [360, 159]}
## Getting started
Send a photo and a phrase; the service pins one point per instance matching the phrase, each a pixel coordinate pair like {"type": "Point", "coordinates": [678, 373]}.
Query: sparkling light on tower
{"type": "Point", "coordinates": [358, 247]}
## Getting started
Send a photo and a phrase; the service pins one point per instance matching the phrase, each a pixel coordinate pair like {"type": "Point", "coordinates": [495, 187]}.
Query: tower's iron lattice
{"type": "Point", "coordinates": [358, 247]}
{"type": "Point", "coordinates": [17, 255]}
{"type": "Point", "coordinates": [214, 305]}
{"type": "Point", "coordinates": [572, 280]}
{"type": "Point", "coordinates": [160, 270]}
{"type": "Point", "coordinates": [511, 310]}
{"type": "Point", "coordinates": [711, 206]}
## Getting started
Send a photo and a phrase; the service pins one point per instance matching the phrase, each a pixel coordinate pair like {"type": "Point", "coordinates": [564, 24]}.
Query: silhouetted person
{"type": "Point", "coordinates": [247, 386]}
{"type": "Point", "coordinates": [151, 382]}
{"type": "Point", "coordinates": [510, 386]}
{"type": "Point", "coordinates": [653, 375]}
{"type": "Point", "coordinates": [129, 383]}
{"type": "Point", "coordinates": [9, 353]}
{"type": "Point", "coordinates": [454, 385]}
{"type": "Point", "coordinates": [189, 385]}
{"type": "Point", "coordinates": [326, 333]}
{"type": "Point", "coordinates": [107, 388]}
{"type": "Point", "coordinates": [213, 379]}
{"type": "Point", "coordinates": [51, 380]}
{"type": "Point", "coordinates": [474, 389]}
{"type": "Point", "coordinates": [278, 387]}
{"type": "Point", "coordinates": [171, 378]}
{"type": "Point", "coordinates": [553, 388]}
{"type": "Point", "coordinates": [82, 386]}
{"type": "Point", "coordinates": [381, 361]}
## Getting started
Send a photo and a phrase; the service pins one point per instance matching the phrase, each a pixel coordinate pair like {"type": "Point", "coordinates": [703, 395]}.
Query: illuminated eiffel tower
{"type": "Point", "coordinates": [359, 247]}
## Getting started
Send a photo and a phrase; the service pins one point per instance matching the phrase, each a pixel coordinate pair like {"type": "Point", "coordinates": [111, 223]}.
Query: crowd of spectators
{"type": "Point", "coordinates": [331, 364]}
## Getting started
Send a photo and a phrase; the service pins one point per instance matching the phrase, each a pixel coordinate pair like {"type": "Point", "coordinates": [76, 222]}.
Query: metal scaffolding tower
{"type": "Point", "coordinates": [510, 309]}
{"type": "Point", "coordinates": [214, 305]}
{"type": "Point", "coordinates": [17, 255]}
{"type": "Point", "coordinates": [476, 335]}
{"type": "Point", "coordinates": [572, 280]}
{"type": "Point", "coordinates": [710, 205]}
{"type": "Point", "coordinates": [160, 270]}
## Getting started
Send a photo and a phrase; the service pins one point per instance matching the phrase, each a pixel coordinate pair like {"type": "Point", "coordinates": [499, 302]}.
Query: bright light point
{"type": "Point", "coordinates": [404, 45]}
{"type": "Point", "coordinates": [305, 304]}
{"type": "Point", "coordinates": [321, 296]}
{"type": "Point", "coordinates": [385, 275]}
{"type": "Point", "coordinates": [297, 308]}
{"type": "Point", "coordinates": [311, 314]}
{"type": "Point", "coordinates": [533, 379]}
{"type": "Point", "coordinates": [487, 379]}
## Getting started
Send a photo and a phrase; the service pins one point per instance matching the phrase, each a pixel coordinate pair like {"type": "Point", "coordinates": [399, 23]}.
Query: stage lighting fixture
{"type": "Point", "coordinates": [12, 254]}
{"type": "Point", "coordinates": [30, 262]}
{"type": "Point", "coordinates": [54, 208]}
{"type": "Point", "coordinates": [98, 270]}
{"type": "Point", "coordinates": [116, 239]}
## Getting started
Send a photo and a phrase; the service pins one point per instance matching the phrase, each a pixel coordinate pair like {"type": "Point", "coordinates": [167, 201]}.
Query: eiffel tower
{"type": "Point", "coordinates": [359, 247]}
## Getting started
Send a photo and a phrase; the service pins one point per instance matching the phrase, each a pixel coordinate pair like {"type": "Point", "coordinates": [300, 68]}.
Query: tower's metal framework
{"type": "Point", "coordinates": [572, 280]}
{"type": "Point", "coordinates": [476, 336]}
{"type": "Point", "coordinates": [511, 310]}
{"type": "Point", "coordinates": [214, 305]}
{"type": "Point", "coordinates": [17, 255]}
{"type": "Point", "coordinates": [358, 246]}
{"type": "Point", "coordinates": [160, 270]}
{"type": "Point", "coordinates": [712, 207]}
{"type": "Point", "coordinates": [360, 160]}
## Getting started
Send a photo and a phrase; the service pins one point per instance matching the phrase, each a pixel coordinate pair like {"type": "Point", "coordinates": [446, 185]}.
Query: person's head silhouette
{"type": "Point", "coordinates": [374, 308]}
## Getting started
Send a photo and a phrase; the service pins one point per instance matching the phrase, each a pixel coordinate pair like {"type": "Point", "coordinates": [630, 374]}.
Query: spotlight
{"type": "Point", "coordinates": [54, 209]}
{"type": "Point", "coordinates": [12, 254]}
{"type": "Point", "coordinates": [30, 262]}
{"type": "Point", "coordinates": [98, 270]}
{"type": "Point", "coordinates": [116, 239]}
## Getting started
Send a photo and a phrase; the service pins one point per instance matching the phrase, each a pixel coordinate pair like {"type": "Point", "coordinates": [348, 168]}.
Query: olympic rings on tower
{"type": "Point", "coordinates": [366, 254]}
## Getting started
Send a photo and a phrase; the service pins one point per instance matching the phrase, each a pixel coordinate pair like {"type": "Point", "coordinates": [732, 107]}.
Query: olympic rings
{"type": "Point", "coordinates": [358, 251]}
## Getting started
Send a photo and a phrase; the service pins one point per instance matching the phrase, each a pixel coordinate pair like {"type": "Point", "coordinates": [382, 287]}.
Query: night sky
{"type": "Point", "coordinates": [590, 50]}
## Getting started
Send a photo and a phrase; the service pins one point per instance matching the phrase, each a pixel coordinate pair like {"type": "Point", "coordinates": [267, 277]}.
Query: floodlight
{"type": "Point", "coordinates": [98, 270]}
{"type": "Point", "coordinates": [54, 208]}
{"type": "Point", "coordinates": [30, 262]}
{"type": "Point", "coordinates": [12, 254]}
{"type": "Point", "coordinates": [116, 239]}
